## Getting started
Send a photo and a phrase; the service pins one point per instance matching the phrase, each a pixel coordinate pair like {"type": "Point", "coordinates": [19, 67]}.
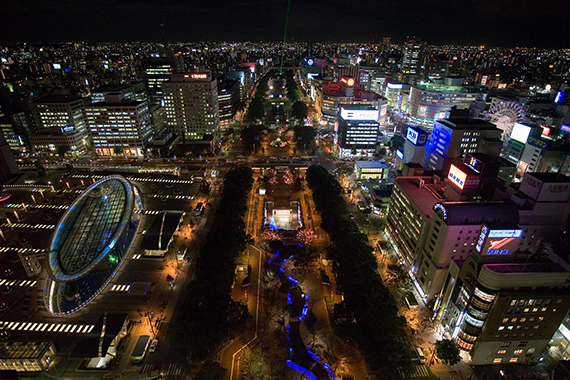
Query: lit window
{"type": "Point", "coordinates": [497, 360]}
{"type": "Point", "coordinates": [501, 352]}
{"type": "Point", "coordinates": [505, 320]}
{"type": "Point", "coordinates": [514, 360]}
{"type": "Point", "coordinates": [518, 352]}
{"type": "Point", "coordinates": [501, 328]}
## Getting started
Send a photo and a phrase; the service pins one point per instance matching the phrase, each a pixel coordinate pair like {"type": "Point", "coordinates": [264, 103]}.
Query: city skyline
{"type": "Point", "coordinates": [487, 23]}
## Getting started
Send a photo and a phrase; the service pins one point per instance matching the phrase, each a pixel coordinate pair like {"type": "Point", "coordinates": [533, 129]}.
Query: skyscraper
{"type": "Point", "coordinates": [158, 70]}
{"type": "Point", "coordinates": [191, 102]}
{"type": "Point", "coordinates": [413, 57]}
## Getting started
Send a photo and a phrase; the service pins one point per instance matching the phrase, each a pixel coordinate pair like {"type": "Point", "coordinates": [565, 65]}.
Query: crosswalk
{"type": "Point", "coordinates": [414, 372]}
{"type": "Point", "coordinates": [46, 327]}
{"type": "Point", "coordinates": [169, 369]}
{"type": "Point", "coordinates": [26, 225]}
{"type": "Point", "coordinates": [48, 206]}
{"type": "Point", "coordinates": [23, 250]}
{"type": "Point", "coordinates": [142, 179]}
{"type": "Point", "coordinates": [22, 283]}
{"type": "Point", "coordinates": [121, 288]}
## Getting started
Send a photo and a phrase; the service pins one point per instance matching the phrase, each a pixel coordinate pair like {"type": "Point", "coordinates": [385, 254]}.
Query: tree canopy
{"type": "Point", "coordinates": [299, 110]}
{"type": "Point", "coordinates": [448, 351]}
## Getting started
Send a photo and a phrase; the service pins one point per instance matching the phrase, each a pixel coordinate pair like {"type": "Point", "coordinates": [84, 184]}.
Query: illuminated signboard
{"type": "Point", "coordinates": [484, 80]}
{"type": "Point", "coordinates": [199, 76]}
{"type": "Point", "coordinates": [56, 66]}
{"type": "Point", "coordinates": [68, 128]}
{"type": "Point", "coordinates": [311, 76]}
{"type": "Point", "coordinates": [559, 97]}
{"type": "Point", "coordinates": [521, 168]}
{"type": "Point", "coordinates": [348, 81]}
{"type": "Point", "coordinates": [439, 206]}
{"type": "Point", "coordinates": [457, 176]}
{"type": "Point", "coordinates": [310, 61]}
{"type": "Point", "coordinates": [395, 85]}
{"type": "Point", "coordinates": [474, 163]}
{"type": "Point", "coordinates": [515, 233]}
{"type": "Point", "coordinates": [359, 114]}
{"type": "Point", "coordinates": [545, 130]}
{"type": "Point", "coordinates": [482, 237]}
{"type": "Point", "coordinates": [565, 127]}
{"type": "Point", "coordinates": [520, 132]}
{"type": "Point", "coordinates": [539, 143]}
{"type": "Point", "coordinates": [412, 136]}
{"type": "Point", "coordinates": [399, 154]}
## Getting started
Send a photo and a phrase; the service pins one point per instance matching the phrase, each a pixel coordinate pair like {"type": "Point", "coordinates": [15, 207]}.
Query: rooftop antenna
{"type": "Point", "coordinates": [284, 37]}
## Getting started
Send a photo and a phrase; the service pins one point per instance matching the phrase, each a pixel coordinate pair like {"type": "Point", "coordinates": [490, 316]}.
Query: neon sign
{"type": "Point", "coordinates": [498, 252]}
{"type": "Point", "coordinates": [399, 154]}
{"type": "Point", "coordinates": [457, 176]}
{"type": "Point", "coordinates": [481, 239]}
{"type": "Point", "coordinates": [349, 82]}
{"type": "Point", "coordinates": [516, 233]}
{"type": "Point", "coordinates": [199, 76]}
{"type": "Point", "coordinates": [412, 136]}
{"type": "Point", "coordinates": [565, 127]}
{"type": "Point", "coordinates": [439, 206]}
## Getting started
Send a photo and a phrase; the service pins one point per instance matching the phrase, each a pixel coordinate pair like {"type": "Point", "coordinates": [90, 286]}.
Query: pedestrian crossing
{"type": "Point", "coordinates": [414, 372]}
{"type": "Point", "coordinates": [22, 283]}
{"type": "Point", "coordinates": [137, 256]}
{"type": "Point", "coordinates": [46, 327]}
{"type": "Point", "coordinates": [48, 206]}
{"type": "Point", "coordinates": [141, 179]}
{"type": "Point", "coordinates": [26, 225]}
{"type": "Point", "coordinates": [23, 250]}
{"type": "Point", "coordinates": [169, 369]}
{"type": "Point", "coordinates": [121, 288]}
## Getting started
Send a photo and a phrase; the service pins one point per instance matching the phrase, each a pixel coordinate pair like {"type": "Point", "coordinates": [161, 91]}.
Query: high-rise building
{"type": "Point", "coordinates": [8, 168]}
{"type": "Point", "coordinates": [119, 123]}
{"type": "Point", "coordinates": [431, 101]}
{"type": "Point", "coordinates": [228, 99]}
{"type": "Point", "coordinates": [413, 57]}
{"type": "Point", "coordinates": [358, 129]}
{"type": "Point", "coordinates": [158, 70]}
{"type": "Point", "coordinates": [60, 123]}
{"type": "Point", "coordinates": [451, 140]}
{"type": "Point", "coordinates": [191, 102]}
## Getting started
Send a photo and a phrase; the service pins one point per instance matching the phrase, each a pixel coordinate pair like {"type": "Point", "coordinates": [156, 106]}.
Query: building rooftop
{"type": "Point", "coordinates": [371, 165]}
{"type": "Point", "coordinates": [459, 213]}
{"type": "Point", "coordinates": [438, 87]}
{"type": "Point", "coordinates": [520, 268]}
{"type": "Point", "coordinates": [550, 177]}
{"type": "Point", "coordinates": [470, 124]}
{"type": "Point", "coordinates": [57, 99]}
{"type": "Point", "coordinates": [421, 190]}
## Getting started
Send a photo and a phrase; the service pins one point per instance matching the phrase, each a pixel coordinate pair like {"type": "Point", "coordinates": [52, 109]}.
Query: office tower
{"type": "Point", "coordinates": [358, 129]}
{"type": "Point", "coordinates": [119, 126]}
{"type": "Point", "coordinates": [60, 124]}
{"type": "Point", "coordinates": [502, 305]}
{"type": "Point", "coordinates": [191, 102]}
{"type": "Point", "coordinates": [158, 70]}
{"type": "Point", "coordinates": [451, 140]}
{"type": "Point", "coordinates": [413, 57]}
{"type": "Point", "coordinates": [8, 168]}
{"type": "Point", "coordinates": [431, 101]}
{"type": "Point", "coordinates": [415, 145]}
{"type": "Point", "coordinates": [228, 99]}
{"type": "Point", "coordinates": [135, 91]}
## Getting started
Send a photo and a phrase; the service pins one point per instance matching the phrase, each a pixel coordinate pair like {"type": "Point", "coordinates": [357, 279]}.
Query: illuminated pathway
{"type": "Point", "coordinates": [48, 327]}
{"type": "Point", "coordinates": [303, 360]}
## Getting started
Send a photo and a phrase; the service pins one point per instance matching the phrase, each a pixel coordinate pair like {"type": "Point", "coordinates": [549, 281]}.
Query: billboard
{"type": "Point", "coordinates": [457, 176]}
{"type": "Point", "coordinates": [359, 114]}
{"type": "Point", "coordinates": [538, 142]}
{"type": "Point", "coordinates": [565, 127]}
{"type": "Point", "coordinates": [520, 132]}
{"type": "Point", "coordinates": [474, 163]}
{"type": "Point", "coordinates": [559, 97]}
{"type": "Point", "coordinates": [399, 154]}
{"type": "Point", "coordinates": [497, 242]}
{"type": "Point", "coordinates": [68, 128]}
{"type": "Point", "coordinates": [521, 168]}
{"type": "Point", "coordinates": [416, 136]}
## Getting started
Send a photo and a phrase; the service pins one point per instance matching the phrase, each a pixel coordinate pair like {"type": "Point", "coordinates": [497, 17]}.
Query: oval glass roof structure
{"type": "Point", "coordinates": [90, 228]}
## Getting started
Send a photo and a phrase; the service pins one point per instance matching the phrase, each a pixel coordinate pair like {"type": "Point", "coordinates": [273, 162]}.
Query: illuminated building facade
{"type": "Point", "coordinates": [90, 243]}
{"type": "Point", "coordinates": [121, 123]}
{"type": "Point", "coordinates": [26, 356]}
{"type": "Point", "coordinates": [413, 57]}
{"type": "Point", "coordinates": [432, 101]}
{"type": "Point", "coordinates": [370, 170]}
{"type": "Point", "coordinates": [332, 95]}
{"type": "Point", "coordinates": [504, 311]}
{"type": "Point", "coordinates": [451, 140]}
{"type": "Point", "coordinates": [357, 131]}
{"type": "Point", "coordinates": [191, 102]}
{"type": "Point", "coordinates": [158, 70]}
{"type": "Point", "coordinates": [60, 122]}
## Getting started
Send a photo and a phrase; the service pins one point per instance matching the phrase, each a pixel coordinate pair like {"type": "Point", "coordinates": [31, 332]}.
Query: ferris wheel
{"type": "Point", "coordinates": [504, 115]}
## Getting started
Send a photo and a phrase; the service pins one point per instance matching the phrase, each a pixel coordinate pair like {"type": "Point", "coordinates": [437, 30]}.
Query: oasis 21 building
{"type": "Point", "coordinates": [90, 242]}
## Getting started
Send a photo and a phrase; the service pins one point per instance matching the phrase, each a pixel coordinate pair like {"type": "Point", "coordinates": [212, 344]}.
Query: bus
{"type": "Point", "coordinates": [140, 348]}
{"type": "Point", "coordinates": [199, 209]}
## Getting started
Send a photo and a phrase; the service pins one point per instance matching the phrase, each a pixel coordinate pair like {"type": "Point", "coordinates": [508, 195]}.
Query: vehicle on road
{"type": "Point", "coordinates": [420, 355]}
{"type": "Point", "coordinates": [199, 209]}
{"type": "Point", "coordinates": [153, 346]}
{"type": "Point", "coordinates": [140, 348]}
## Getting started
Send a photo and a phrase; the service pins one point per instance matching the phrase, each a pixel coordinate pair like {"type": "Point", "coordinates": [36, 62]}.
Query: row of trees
{"type": "Point", "coordinates": [208, 315]}
{"type": "Point", "coordinates": [368, 314]}
{"type": "Point", "coordinates": [256, 109]}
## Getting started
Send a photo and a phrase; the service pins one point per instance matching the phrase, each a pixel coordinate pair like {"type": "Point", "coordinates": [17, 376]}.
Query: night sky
{"type": "Point", "coordinates": [507, 23]}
